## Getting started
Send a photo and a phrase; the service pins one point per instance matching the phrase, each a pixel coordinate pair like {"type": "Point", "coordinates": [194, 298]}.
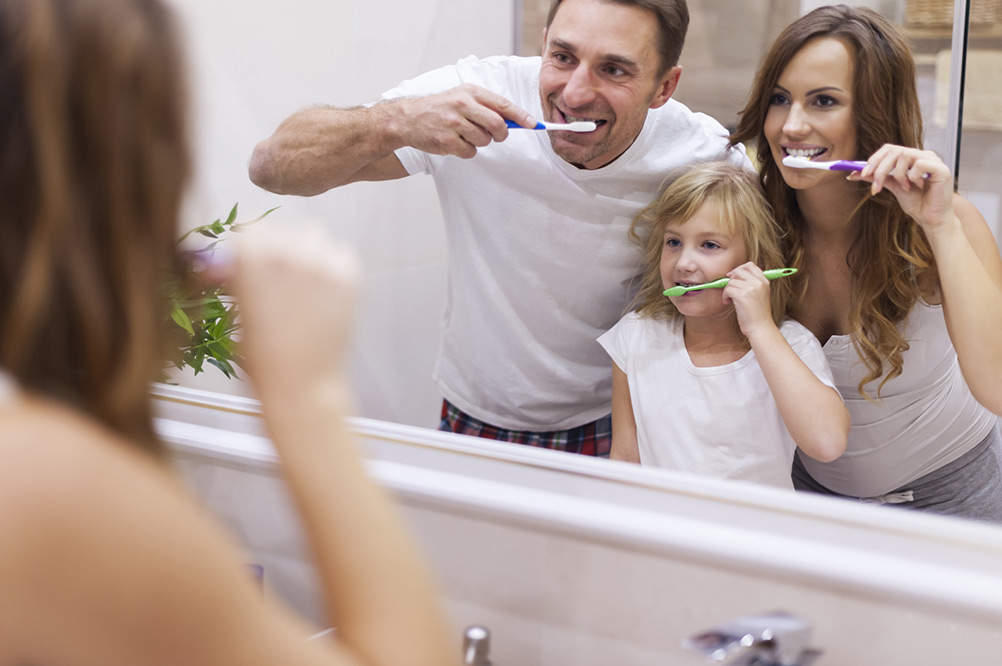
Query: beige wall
{"type": "Point", "coordinates": [253, 64]}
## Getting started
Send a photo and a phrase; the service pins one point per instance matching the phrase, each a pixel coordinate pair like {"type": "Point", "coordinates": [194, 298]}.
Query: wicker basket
{"type": "Point", "coordinates": [938, 13]}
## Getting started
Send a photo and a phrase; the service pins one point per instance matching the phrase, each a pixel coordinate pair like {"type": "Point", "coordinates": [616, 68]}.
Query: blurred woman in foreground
{"type": "Point", "coordinates": [106, 559]}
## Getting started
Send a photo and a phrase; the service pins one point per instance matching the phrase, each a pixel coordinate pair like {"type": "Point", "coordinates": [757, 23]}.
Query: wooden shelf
{"type": "Point", "coordinates": [993, 31]}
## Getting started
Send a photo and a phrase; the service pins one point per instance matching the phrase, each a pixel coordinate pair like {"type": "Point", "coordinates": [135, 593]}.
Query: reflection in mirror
{"type": "Point", "coordinates": [243, 92]}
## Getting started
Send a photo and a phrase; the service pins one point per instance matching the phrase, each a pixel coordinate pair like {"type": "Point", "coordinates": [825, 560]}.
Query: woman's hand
{"type": "Point", "coordinates": [749, 291]}
{"type": "Point", "coordinates": [918, 179]}
{"type": "Point", "coordinates": [296, 294]}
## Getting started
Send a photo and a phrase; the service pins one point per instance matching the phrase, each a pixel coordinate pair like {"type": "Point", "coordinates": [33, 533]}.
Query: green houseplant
{"type": "Point", "coordinates": [203, 317]}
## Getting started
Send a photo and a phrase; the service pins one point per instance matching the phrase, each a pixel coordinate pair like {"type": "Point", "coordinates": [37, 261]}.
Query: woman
{"type": "Point", "coordinates": [901, 278]}
{"type": "Point", "coordinates": [105, 558]}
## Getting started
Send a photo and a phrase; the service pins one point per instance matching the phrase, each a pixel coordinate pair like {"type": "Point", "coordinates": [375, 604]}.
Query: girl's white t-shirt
{"type": "Point", "coordinates": [719, 421]}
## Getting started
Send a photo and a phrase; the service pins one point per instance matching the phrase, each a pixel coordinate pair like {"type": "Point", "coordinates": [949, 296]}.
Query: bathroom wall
{"type": "Point", "coordinates": [253, 64]}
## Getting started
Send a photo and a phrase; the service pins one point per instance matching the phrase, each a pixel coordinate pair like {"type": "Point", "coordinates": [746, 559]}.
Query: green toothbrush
{"type": "Point", "coordinates": [771, 274]}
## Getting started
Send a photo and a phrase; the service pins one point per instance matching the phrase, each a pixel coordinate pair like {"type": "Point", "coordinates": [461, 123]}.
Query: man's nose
{"type": "Point", "coordinates": [579, 90]}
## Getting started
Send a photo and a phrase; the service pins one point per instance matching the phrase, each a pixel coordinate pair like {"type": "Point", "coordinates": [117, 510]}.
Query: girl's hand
{"type": "Point", "coordinates": [749, 291]}
{"type": "Point", "coordinates": [918, 179]}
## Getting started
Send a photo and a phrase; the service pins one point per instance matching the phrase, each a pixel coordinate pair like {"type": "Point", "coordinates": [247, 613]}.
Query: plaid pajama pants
{"type": "Point", "coordinates": [590, 439]}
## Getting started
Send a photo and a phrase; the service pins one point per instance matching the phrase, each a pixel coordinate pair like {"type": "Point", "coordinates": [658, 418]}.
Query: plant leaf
{"type": "Point", "coordinates": [181, 318]}
{"type": "Point", "coordinates": [208, 314]}
{"type": "Point", "coordinates": [224, 366]}
{"type": "Point", "coordinates": [231, 218]}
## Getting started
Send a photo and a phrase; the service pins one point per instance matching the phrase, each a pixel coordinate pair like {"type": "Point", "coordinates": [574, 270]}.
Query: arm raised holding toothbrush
{"type": "Point", "coordinates": [324, 147]}
{"type": "Point", "coordinates": [812, 411]}
{"type": "Point", "coordinates": [968, 265]}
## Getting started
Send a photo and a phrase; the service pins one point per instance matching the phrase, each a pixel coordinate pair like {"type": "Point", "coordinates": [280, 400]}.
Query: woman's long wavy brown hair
{"type": "Point", "coordinates": [93, 161]}
{"type": "Point", "coordinates": [890, 251]}
{"type": "Point", "coordinates": [740, 206]}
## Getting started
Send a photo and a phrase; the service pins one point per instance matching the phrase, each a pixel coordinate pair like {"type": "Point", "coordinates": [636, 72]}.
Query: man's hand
{"type": "Point", "coordinates": [457, 121]}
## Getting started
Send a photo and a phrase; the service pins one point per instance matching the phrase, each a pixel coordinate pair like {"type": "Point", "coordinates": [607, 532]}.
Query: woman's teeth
{"type": "Point", "coordinates": [809, 153]}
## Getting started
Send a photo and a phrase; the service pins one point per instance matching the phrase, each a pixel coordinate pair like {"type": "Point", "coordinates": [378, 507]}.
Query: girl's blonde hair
{"type": "Point", "coordinates": [740, 206]}
{"type": "Point", "coordinates": [889, 251]}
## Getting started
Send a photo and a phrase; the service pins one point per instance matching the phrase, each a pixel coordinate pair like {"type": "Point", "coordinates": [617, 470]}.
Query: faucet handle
{"type": "Point", "coordinates": [771, 639]}
{"type": "Point", "coordinates": [476, 646]}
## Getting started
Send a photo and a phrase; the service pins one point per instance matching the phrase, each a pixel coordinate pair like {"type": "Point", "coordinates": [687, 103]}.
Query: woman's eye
{"type": "Point", "coordinates": [777, 99]}
{"type": "Point", "coordinates": [825, 100]}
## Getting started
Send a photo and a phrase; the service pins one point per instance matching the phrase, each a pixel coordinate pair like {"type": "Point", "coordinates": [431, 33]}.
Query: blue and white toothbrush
{"type": "Point", "coordinates": [579, 126]}
{"type": "Point", "coordinates": [839, 165]}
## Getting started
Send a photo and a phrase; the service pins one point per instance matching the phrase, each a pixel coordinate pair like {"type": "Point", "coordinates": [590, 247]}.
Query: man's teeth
{"type": "Point", "coordinates": [809, 153]}
{"type": "Point", "coordinates": [575, 119]}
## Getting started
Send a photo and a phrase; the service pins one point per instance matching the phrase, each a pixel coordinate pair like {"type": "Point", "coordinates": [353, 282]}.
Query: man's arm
{"type": "Point", "coordinates": [321, 148]}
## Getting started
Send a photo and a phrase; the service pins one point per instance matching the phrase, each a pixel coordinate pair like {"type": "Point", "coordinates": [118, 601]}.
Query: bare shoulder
{"type": "Point", "coordinates": [49, 453]}
{"type": "Point", "coordinates": [102, 542]}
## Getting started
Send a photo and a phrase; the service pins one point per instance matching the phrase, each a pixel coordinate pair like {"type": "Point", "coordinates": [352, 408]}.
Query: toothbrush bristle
{"type": "Point", "coordinates": [582, 126]}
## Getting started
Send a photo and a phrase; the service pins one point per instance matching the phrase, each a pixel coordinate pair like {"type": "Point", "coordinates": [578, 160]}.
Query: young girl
{"type": "Point", "coordinates": [715, 381]}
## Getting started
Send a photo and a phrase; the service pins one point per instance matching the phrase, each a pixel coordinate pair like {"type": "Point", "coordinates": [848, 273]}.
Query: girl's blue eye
{"type": "Point", "coordinates": [710, 245]}
{"type": "Point", "coordinates": [673, 242]}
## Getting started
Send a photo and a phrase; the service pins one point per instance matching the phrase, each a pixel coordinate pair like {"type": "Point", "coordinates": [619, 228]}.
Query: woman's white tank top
{"type": "Point", "coordinates": [925, 418]}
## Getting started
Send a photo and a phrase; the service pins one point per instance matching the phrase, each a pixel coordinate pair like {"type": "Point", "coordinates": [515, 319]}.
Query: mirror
{"type": "Point", "coordinates": [246, 80]}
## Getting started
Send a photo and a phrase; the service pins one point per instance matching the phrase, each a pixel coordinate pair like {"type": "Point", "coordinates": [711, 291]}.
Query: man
{"type": "Point", "coordinates": [540, 263]}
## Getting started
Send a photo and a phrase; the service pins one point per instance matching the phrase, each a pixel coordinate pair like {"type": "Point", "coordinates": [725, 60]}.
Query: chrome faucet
{"type": "Point", "coordinates": [476, 646]}
{"type": "Point", "coordinates": [771, 639]}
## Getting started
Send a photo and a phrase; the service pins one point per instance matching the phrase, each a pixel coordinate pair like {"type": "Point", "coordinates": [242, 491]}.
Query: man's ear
{"type": "Point", "coordinates": [667, 86]}
{"type": "Point", "coordinates": [543, 47]}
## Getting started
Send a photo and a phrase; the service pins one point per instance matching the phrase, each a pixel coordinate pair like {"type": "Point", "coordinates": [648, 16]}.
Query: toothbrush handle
{"type": "Point", "coordinates": [774, 273]}
{"type": "Point", "coordinates": [716, 284]}
{"type": "Point", "coordinates": [770, 274]}
{"type": "Point", "coordinates": [847, 165]}
{"type": "Point", "coordinates": [512, 124]}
